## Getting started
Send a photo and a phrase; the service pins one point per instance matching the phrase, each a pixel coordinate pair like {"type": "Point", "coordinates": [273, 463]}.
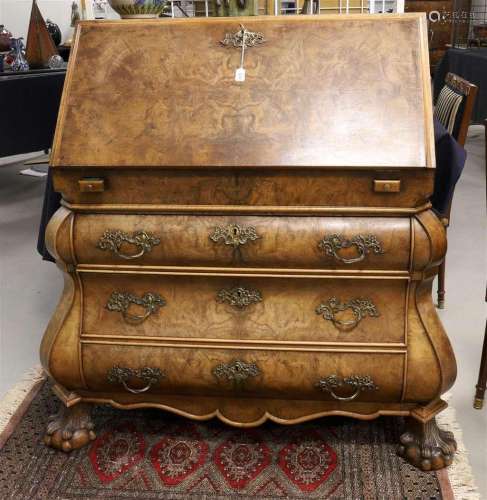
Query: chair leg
{"type": "Point", "coordinates": [441, 285]}
{"type": "Point", "coordinates": [482, 382]}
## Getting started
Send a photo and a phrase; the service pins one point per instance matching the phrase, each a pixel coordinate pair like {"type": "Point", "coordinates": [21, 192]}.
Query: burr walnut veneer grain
{"type": "Point", "coordinates": [249, 250]}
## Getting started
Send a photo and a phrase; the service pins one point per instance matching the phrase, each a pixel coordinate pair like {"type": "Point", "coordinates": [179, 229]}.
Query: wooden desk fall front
{"type": "Point", "coordinates": [250, 250]}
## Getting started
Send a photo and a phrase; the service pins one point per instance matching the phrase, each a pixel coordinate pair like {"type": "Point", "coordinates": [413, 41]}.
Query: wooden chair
{"type": "Point", "coordinates": [478, 402]}
{"type": "Point", "coordinates": [453, 109]}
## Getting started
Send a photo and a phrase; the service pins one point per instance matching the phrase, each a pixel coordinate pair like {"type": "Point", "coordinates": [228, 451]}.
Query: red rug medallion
{"type": "Point", "coordinates": [178, 456]}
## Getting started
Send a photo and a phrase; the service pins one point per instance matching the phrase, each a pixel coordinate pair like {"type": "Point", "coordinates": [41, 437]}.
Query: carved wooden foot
{"type": "Point", "coordinates": [426, 446]}
{"type": "Point", "coordinates": [70, 428]}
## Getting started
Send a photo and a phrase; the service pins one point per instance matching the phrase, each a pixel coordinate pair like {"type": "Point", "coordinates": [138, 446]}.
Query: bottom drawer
{"type": "Point", "coordinates": [318, 375]}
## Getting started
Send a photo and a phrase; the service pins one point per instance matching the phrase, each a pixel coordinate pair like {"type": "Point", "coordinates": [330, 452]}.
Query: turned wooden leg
{"type": "Point", "coordinates": [441, 285]}
{"type": "Point", "coordinates": [482, 382]}
{"type": "Point", "coordinates": [426, 446]}
{"type": "Point", "coordinates": [70, 428]}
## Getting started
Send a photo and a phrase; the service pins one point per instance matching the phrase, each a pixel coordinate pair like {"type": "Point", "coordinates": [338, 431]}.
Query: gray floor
{"type": "Point", "coordinates": [29, 288]}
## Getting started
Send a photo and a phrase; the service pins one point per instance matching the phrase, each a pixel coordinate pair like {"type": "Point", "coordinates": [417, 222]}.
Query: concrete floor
{"type": "Point", "coordinates": [30, 288]}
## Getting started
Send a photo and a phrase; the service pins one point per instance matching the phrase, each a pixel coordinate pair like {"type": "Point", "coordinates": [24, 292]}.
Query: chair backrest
{"type": "Point", "coordinates": [454, 106]}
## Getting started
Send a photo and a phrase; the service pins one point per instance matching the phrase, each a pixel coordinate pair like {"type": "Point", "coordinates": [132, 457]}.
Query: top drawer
{"type": "Point", "coordinates": [240, 241]}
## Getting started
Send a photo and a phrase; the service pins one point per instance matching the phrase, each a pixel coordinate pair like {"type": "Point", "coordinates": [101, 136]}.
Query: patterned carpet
{"type": "Point", "coordinates": [151, 455]}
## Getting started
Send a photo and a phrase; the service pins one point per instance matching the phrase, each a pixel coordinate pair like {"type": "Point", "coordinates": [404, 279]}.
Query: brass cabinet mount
{"type": "Point", "coordinates": [242, 37]}
{"type": "Point", "coordinates": [121, 302]}
{"type": "Point", "coordinates": [239, 296]}
{"type": "Point", "coordinates": [364, 244]}
{"type": "Point", "coordinates": [237, 371]}
{"type": "Point", "coordinates": [234, 235]}
{"type": "Point", "coordinates": [112, 240]}
{"type": "Point", "coordinates": [360, 308]}
{"type": "Point", "coordinates": [122, 375]}
{"type": "Point", "coordinates": [357, 382]}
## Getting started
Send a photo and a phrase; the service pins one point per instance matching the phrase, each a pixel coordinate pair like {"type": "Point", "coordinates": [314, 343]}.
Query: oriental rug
{"type": "Point", "coordinates": [150, 454]}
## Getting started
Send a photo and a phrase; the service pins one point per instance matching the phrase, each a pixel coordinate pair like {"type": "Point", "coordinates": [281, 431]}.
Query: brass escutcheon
{"type": "Point", "coordinates": [121, 301]}
{"type": "Point", "coordinates": [234, 235]}
{"type": "Point", "coordinates": [357, 382]}
{"type": "Point", "coordinates": [113, 240]}
{"type": "Point", "coordinates": [333, 243]}
{"type": "Point", "coordinates": [359, 307]}
{"type": "Point", "coordinates": [122, 375]}
{"type": "Point", "coordinates": [237, 371]}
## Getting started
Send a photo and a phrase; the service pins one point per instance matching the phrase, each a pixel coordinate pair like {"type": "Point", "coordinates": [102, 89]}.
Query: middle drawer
{"type": "Point", "coordinates": [381, 243]}
{"type": "Point", "coordinates": [365, 310]}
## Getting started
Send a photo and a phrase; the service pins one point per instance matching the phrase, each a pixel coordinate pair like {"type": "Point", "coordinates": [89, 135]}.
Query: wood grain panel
{"type": "Point", "coordinates": [319, 104]}
{"type": "Point", "coordinates": [247, 188]}
{"type": "Point", "coordinates": [281, 375]}
{"type": "Point", "coordinates": [287, 310]}
{"type": "Point", "coordinates": [283, 242]}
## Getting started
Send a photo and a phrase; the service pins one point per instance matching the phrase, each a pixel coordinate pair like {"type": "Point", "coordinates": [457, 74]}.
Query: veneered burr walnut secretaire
{"type": "Point", "coordinates": [248, 235]}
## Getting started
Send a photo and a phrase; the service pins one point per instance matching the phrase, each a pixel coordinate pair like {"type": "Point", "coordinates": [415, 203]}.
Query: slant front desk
{"type": "Point", "coordinates": [245, 231]}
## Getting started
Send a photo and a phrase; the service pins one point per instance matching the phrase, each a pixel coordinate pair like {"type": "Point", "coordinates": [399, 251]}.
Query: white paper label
{"type": "Point", "coordinates": [240, 75]}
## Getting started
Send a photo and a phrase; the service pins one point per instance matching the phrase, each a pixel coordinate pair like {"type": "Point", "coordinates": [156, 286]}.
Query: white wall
{"type": "Point", "coordinates": [15, 14]}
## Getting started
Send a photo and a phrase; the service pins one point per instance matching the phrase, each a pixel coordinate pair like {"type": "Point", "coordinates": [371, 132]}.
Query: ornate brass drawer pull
{"type": "Point", "coordinates": [113, 240]}
{"type": "Point", "coordinates": [122, 375]}
{"type": "Point", "coordinates": [359, 307]}
{"type": "Point", "coordinates": [121, 301]}
{"type": "Point", "coordinates": [234, 235]}
{"type": "Point", "coordinates": [239, 296]}
{"type": "Point", "coordinates": [332, 244]}
{"type": "Point", "coordinates": [237, 371]}
{"type": "Point", "coordinates": [356, 382]}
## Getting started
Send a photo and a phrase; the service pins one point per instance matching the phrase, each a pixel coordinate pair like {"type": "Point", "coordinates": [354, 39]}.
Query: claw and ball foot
{"type": "Point", "coordinates": [70, 428]}
{"type": "Point", "coordinates": [426, 446]}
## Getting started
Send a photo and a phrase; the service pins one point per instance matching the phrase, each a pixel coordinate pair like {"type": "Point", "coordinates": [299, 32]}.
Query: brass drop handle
{"type": "Point", "coordinates": [121, 301]}
{"type": "Point", "coordinates": [112, 240]}
{"type": "Point", "coordinates": [122, 375]}
{"type": "Point", "coordinates": [234, 235]}
{"type": "Point", "coordinates": [333, 243]}
{"type": "Point", "coordinates": [360, 308]}
{"type": "Point", "coordinates": [357, 382]}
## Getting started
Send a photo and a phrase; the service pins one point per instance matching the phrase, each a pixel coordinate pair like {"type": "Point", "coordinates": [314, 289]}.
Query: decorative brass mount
{"type": "Point", "coordinates": [121, 301]}
{"type": "Point", "coordinates": [239, 296]}
{"type": "Point", "coordinates": [359, 307]}
{"type": "Point", "coordinates": [333, 243]}
{"type": "Point", "coordinates": [237, 371]}
{"type": "Point", "coordinates": [243, 38]}
{"type": "Point", "coordinates": [234, 235]}
{"type": "Point", "coordinates": [113, 240]}
{"type": "Point", "coordinates": [357, 382]}
{"type": "Point", "coordinates": [121, 375]}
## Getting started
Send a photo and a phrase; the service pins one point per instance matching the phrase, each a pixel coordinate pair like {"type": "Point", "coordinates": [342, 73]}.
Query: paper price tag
{"type": "Point", "coordinates": [240, 75]}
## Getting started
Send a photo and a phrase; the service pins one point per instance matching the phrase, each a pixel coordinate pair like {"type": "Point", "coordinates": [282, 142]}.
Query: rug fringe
{"type": "Point", "coordinates": [460, 472]}
{"type": "Point", "coordinates": [16, 395]}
